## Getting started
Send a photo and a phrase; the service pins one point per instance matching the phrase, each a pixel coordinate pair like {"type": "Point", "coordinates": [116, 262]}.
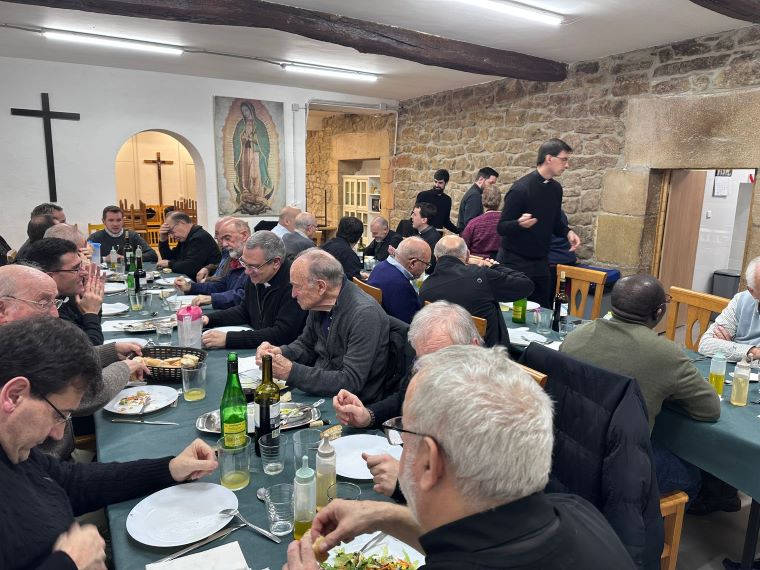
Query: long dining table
{"type": "Point", "coordinates": [125, 442]}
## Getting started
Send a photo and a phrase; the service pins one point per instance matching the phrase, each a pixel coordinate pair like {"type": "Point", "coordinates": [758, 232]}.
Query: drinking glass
{"type": "Point", "coordinates": [344, 490]}
{"type": "Point", "coordinates": [542, 319]}
{"type": "Point", "coordinates": [234, 464]}
{"type": "Point", "coordinates": [272, 461]}
{"type": "Point", "coordinates": [164, 331]}
{"type": "Point", "coordinates": [565, 326]}
{"type": "Point", "coordinates": [279, 503]}
{"type": "Point", "coordinates": [145, 301]}
{"type": "Point", "coordinates": [194, 383]}
{"type": "Point", "coordinates": [306, 442]}
{"type": "Point", "coordinates": [95, 258]}
{"type": "Point", "coordinates": [135, 302]}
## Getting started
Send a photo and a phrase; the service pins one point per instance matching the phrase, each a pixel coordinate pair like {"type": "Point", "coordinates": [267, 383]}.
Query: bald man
{"type": "Point", "coordinates": [393, 276]}
{"type": "Point", "coordinates": [26, 293]}
{"type": "Point", "coordinates": [287, 221]}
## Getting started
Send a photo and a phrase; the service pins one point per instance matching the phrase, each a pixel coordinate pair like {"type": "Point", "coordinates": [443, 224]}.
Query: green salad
{"type": "Point", "coordinates": [354, 561]}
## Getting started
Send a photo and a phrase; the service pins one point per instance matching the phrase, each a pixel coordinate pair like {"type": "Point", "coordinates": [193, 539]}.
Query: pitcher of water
{"type": "Point", "coordinates": [189, 326]}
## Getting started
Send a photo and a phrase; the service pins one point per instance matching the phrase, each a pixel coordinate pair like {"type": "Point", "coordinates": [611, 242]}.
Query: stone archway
{"type": "Point", "coordinates": [692, 132]}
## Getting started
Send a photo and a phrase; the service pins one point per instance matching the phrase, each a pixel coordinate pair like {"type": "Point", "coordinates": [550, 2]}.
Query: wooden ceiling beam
{"type": "Point", "coordinates": [747, 10]}
{"type": "Point", "coordinates": [365, 37]}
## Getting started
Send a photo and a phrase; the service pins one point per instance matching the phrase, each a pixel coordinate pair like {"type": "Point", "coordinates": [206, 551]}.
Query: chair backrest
{"type": "Point", "coordinates": [699, 310]}
{"type": "Point", "coordinates": [11, 255]}
{"type": "Point", "coordinates": [480, 324]}
{"type": "Point", "coordinates": [151, 236]}
{"type": "Point", "coordinates": [91, 228]}
{"type": "Point", "coordinates": [374, 292]}
{"type": "Point", "coordinates": [539, 377]}
{"type": "Point", "coordinates": [580, 283]}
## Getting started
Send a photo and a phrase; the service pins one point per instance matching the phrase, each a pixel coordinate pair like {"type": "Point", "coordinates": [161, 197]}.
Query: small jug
{"type": "Point", "coordinates": [189, 326]}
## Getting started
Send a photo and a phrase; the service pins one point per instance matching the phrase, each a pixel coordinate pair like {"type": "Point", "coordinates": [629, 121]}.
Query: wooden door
{"type": "Point", "coordinates": [681, 233]}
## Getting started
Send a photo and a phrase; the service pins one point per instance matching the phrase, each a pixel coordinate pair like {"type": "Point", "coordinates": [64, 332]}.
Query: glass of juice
{"type": "Point", "coordinates": [234, 464]}
{"type": "Point", "coordinates": [194, 383]}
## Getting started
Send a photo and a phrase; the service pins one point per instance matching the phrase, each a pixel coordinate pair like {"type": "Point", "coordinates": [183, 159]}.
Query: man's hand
{"type": "Point", "coordinates": [200, 277]}
{"type": "Point", "coordinates": [196, 460]}
{"type": "Point", "coordinates": [137, 370]}
{"type": "Point", "coordinates": [182, 284]}
{"type": "Point", "coordinates": [163, 232]}
{"type": "Point", "coordinates": [92, 299]}
{"type": "Point", "coordinates": [266, 348]}
{"type": "Point", "coordinates": [574, 240]}
{"type": "Point", "coordinates": [722, 333]}
{"type": "Point", "coordinates": [214, 339]}
{"type": "Point", "coordinates": [204, 320]}
{"type": "Point", "coordinates": [84, 545]}
{"type": "Point", "coordinates": [163, 263]}
{"type": "Point", "coordinates": [126, 349]}
{"type": "Point", "coordinates": [342, 521]}
{"type": "Point", "coordinates": [391, 251]}
{"type": "Point", "coordinates": [199, 300]}
{"type": "Point", "coordinates": [281, 367]}
{"type": "Point", "coordinates": [384, 469]}
{"type": "Point", "coordinates": [301, 555]}
{"type": "Point", "coordinates": [350, 410]}
{"type": "Point", "coordinates": [526, 221]}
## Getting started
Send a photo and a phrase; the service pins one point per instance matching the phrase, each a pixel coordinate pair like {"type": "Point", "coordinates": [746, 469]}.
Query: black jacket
{"type": "Point", "coordinates": [88, 322]}
{"type": "Point", "coordinates": [272, 311]}
{"type": "Point", "coordinates": [442, 203]}
{"type": "Point", "coordinates": [341, 250]}
{"type": "Point", "coordinates": [602, 450]}
{"type": "Point", "coordinates": [197, 251]}
{"type": "Point", "coordinates": [479, 290]}
{"type": "Point", "coordinates": [380, 250]}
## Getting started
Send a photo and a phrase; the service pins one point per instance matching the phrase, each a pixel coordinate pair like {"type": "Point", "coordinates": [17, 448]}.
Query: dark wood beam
{"type": "Point", "coordinates": [747, 10]}
{"type": "Point", "coordinates": [365, 37]}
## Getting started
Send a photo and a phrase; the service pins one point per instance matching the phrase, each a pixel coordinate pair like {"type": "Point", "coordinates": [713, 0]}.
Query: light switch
{"type": "Point", "coordinates": [708, 214]}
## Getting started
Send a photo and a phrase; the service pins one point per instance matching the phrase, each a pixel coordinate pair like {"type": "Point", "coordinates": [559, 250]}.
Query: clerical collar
{"type": "Point", "coordinates": [121, 233]}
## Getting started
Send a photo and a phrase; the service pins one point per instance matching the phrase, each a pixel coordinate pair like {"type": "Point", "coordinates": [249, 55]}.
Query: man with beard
{"type": "Point", "coordinates": [478, 436]}
{"type": "Point", "coordinates": [227, 291]}
{"type": "Point", "coordinates": [442, 201]}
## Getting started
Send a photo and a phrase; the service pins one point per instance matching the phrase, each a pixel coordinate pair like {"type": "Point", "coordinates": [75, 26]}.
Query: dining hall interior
{"type": "Point", "coordinates": [360, 104]}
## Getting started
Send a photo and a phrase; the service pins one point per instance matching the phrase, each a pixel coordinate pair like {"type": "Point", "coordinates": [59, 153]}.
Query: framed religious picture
{"type": "Point", "coordinates": [249, 141]}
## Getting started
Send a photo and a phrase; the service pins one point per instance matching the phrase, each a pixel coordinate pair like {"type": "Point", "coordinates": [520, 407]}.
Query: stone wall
{"type": "Point", "coordinates": [615, 112]}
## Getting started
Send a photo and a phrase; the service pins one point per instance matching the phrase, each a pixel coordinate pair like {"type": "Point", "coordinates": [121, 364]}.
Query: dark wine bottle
{"type": "Point", "coordinates": [266, 404]}
{"type": "Point", "coordinates": [559, 299]}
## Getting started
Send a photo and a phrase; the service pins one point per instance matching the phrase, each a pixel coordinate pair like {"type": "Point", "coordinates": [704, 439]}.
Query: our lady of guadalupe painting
{"type": "Point", "coordinates": [249, 151]}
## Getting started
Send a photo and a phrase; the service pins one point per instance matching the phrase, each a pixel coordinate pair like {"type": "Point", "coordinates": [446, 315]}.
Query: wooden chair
{"type": "Point", "coordinates": [151, 236]}
{"type": "Point", "coordinates": [374, 292]}
{"type": "Point", "coordinates": [672, 507]}
{"type": "Point", "coordinates": [699, 309]}
{"type": "Point", "coordinates": [539, 377]}
{"type": "Point", "coordinates": [480, 324]}
{"type": "Point", "coordinates": [158, 219]}
{"type": "Point", "coordinates": [189, 206]}
{"type": "Point", "coordinates": [94, 228]}
{"type": "Point", "coordinates": [580, 283]}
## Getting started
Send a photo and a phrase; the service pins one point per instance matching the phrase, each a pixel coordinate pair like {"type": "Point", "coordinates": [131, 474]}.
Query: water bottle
{"type": "Point", "coordinates": [740, 385]}
{"type": "Point", "coordinates": [718, 372]}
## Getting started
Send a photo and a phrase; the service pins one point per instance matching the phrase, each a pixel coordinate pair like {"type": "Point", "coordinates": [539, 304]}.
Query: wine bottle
{"type": "Point", "coordinates": [232, 411]}
{"type": "Point", "coordinates": [266, 404]}
{"type": "Point", "coordinates": [519, 309]}
{"type": "Point", "coordinates": [559, 299]}
{"type": "Point", "coordinates": [129, 253]}
{"type": "Point", "coordinates": [142, 276]}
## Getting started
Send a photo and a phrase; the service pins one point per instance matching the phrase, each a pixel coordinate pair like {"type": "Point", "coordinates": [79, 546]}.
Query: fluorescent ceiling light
{"type": "Point", "coordinates": [108, 41]}
{"type": "Point", "coordinates": [519, 10]}
{"type": "Point", "coordinates": [328, 71]}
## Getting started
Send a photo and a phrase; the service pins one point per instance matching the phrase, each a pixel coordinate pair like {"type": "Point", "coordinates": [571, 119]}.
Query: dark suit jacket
{"type": "Point", "coordinates": [341, 250]}
{"type": "Point", "coordinates": [197, 251]}
{"type": "Point", "coordinates": [479, 290]}
{"type": "Point", "coordinates": [380, 250]}
{"type": "Point", "coordinates": [295, 243]}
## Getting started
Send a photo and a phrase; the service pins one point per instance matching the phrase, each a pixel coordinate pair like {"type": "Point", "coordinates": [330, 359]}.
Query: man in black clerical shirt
{"type": "Point", "coordinates": [421, 215]}
{"type": "Point", "coordinates": [383, 237]}
{"type": "Point", "coordinates": [477, 440]}
{"type": "Point", "coordinates": [341, 247]}
{"type": "Point", "coordinates": [531, 215]}
{"type": "Point", "coordinates": [471, 204]}
{"type": "Point", "coordinates": [440, 200]}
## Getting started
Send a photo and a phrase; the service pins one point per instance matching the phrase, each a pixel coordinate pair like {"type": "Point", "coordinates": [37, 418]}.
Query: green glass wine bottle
{"type": "Point", "coordinates": [233, 411]}
{"type": "Point", "coordinates": [266, 404]}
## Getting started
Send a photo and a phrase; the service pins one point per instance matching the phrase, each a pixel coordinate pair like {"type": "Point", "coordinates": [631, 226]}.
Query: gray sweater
{"type": "Point", "coordinates": [354, 353]}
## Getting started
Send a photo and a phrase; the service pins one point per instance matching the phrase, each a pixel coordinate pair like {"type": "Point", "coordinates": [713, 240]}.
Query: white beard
{"type": "Point", "coordinates": [409, 486]}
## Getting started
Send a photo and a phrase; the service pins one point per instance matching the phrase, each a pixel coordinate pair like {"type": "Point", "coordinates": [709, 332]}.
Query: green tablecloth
{"type": "Point", "coordinates": [124, 442]}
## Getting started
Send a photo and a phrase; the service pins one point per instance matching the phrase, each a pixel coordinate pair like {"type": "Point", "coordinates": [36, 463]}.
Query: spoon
{"type": "Point", "coordinates": [261, 494]}
{"type": "Point", "coordinates": [236, 513]}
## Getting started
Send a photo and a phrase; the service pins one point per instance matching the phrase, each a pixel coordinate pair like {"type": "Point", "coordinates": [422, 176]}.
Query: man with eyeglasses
{"type": "Point", "coordinates": [393, 276]}
{"type": "Point", "coordinates": [267, 306]}
{"type": "Point", "coordinates": [195, 250]}
{"type": "Point", "coordinates": [531, 215]}
{"type": "Point", "coordinates": [46, 366]}
{"type": "Point", "coordinates": [478, 285]}
{"type": "Point", "coordinates": [79, 284]}
{"type": "Point", "coordinates": [626, 344]}
{"type": "Point", "coordinates": [226, 290]}
{"type": "Point", "coordinates": [477, 440]}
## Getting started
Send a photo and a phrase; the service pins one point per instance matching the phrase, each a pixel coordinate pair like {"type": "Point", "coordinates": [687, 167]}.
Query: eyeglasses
{"type": "Point", "coordinates": [63, 417]}
{"type": "Point", "coordinates": [76, 269]}
{"type": "Point", "coordinates": [41, 305]}
{"type": "Point", "coordinates": [394, 427]}
{"type": "Point", "coordinates": [255, 267]}
{"type": "Point", "coordinates": [171, 229]}
{"type": "Point", "coordinates": [426, 263]}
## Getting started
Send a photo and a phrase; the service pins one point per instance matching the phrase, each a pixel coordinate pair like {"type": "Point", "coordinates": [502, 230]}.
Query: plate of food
{"type": "Point", "coordinates": [132, 401]}
{"type": "Point", "coordinates": [349, 449]}
{"type": "Point", "coordinates": [111, 309]}
{"type": "Point", "coordinates": [292, 415]}
{"type": "Point", "coordinates": [388, 554]}
{"type": "Point", "coordinates": [179, 515]}
{"type": "Point", "coordinates": [148, 325]}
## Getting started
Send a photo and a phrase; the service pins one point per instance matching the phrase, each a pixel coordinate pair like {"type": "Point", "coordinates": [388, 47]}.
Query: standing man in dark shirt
{"type": "Point", "coordinates": [531, 215]}
{"type": "Point", "coordinates": [196, 248]}
{"type": "Point", "coordinates": [472, 201]}
{"type": "Point", "coordinates": [341, 247]}
{"type": "Point", "coordinates": [440, 200]}
{"type": "Point", "coordinates": [421, 216]}
{"type": "Point", "coordinates": [383, 237]}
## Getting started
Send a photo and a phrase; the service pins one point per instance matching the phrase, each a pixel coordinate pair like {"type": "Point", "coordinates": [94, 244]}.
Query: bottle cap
{"type": "Point", "coordinates": [305, 474]}
{"type": "Point", "coordinates": [232, 357]}
{"type": "Point", "coordinates": [325, 450]}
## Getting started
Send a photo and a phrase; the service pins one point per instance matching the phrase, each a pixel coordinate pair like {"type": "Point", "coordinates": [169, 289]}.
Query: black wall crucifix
{"type": "Point", "coordinates": [47, 115]}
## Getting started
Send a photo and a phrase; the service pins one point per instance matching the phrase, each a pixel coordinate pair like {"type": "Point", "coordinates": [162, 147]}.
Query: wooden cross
{"type": "Point", "coordinates": [158, 162]}
{"type": "Point", "coordinates": [47, 115]}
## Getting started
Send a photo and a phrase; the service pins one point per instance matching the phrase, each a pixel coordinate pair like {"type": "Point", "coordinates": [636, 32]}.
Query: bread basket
{"type": "Point", "coordinates": [164, 374]}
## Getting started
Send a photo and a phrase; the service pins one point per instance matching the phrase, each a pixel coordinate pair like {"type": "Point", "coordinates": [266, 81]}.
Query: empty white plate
{"type": "Point", "coordinates": [524, 338]}
{"type": "Point", "coordinates": [110, 309]}
{"type": "Point", "coordinates": [233, 328]}
{"type": "Point", "coordinates": [113, 288]}
{"type": "Point", "coordinates": [349, 449]}
{"type": "Point", "coordinates": [532, 305]}
{"type": "Point", "coordinates": [180, 515]}
{"type": "Point", "coordinates": [140, 341]}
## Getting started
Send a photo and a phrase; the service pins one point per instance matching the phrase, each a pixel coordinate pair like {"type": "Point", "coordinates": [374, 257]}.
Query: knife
{"type": "Point", "coordinates": [219, 534]}
{"type": "Point", "coordinates": [152, 422]}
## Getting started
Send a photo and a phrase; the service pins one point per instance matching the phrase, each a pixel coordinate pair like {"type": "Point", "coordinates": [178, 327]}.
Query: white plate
{"type": "Point", "coordinates": [110, 309]}
{"type": "Point", "coordinates": [184, 299]}
{"type": "Point", "coordinates": [233, 328]}
{"type": "Point", "coordinates": [169, 281]}
{"type": "Point", "coordinates": [532, 305]}
{"type": "Point", "coordinates": [180, 515]}
{"type": "Point", "coordinates": [752, 377]}
{"type": "Point", "coordinates": [112, 288]}
{"type": "Point", "coordinates": [389, 545]}
{"type": "Point", "coordinates": [140, 341]}
{"type": "Point", "coordinates": [349, 449]}
{"type": "Point", "coordinates": [524, 338]}
{"type": "Point", "coordinates": [160, 397]}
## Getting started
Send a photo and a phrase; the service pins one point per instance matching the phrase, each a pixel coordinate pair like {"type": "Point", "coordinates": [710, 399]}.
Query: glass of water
{"type": "Point", "coordinates": [164, 330]}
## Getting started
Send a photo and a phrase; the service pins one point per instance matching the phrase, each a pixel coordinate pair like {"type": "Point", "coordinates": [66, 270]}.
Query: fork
{"type": "Point", "coordinates": [146, 401]}
{"type": "Point", "coordinates": [175, 402]}
{"type": "Point", "coordinates": [372, 542]}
